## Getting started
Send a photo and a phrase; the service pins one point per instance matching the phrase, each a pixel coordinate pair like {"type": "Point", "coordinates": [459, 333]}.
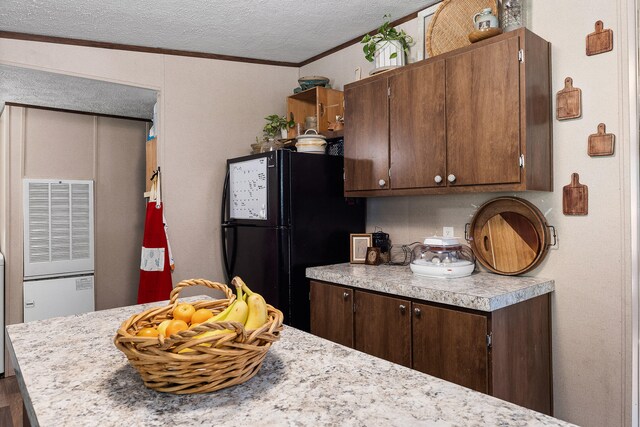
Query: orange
{"type": "Point", "coordinates": [183, 312]}
{"type": "Point", "coordinates": [193, 325]}
{"type": "Point", "coordinates": [201, 315]}
{"type": "Point", "coordinates": [176, 326]}
{"type": "Point", "coordinates": [148, 332]}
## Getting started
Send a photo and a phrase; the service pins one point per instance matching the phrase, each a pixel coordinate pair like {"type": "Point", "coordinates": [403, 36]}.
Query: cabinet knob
{"type": "Point", "coordinates": [451, 178]}
{"type": "Point", "coordinates": [438, 179]}
{"type": "Point", "coordinates": [345, 295]}
{"type": "Point", "coordinates": [403, 308]}
{"type": "Point", "coordinates": [382, 183]}
{"type": "Point", "coordinates": [417, 312]}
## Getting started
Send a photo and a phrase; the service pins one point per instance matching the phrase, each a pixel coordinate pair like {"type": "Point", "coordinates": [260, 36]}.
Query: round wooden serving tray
{"type": "Point", "coordinates": [451, 24]}
{"type": "Point", "coordinates": [509, 236]}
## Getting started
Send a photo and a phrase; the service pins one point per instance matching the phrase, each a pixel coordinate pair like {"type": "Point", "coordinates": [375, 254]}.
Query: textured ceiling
{"type": "Point", "coordinates": [273, 30]}
{"type": "Point", "coordinates": [276, 30]}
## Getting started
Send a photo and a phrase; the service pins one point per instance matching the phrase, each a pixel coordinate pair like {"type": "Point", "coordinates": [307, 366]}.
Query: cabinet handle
{"type": "Point", "coordinates": [382, 183]}
{"type": "Point", "coordinates": [345, 295]}
{"type": "Point", "coordinates": [417, 312]}
{"type": "Point", "coordinates": [403, 308]}
{"type": "Point", "coordinates": [451, 178]}
{"type": "Point", "coordinates": [438, 179]}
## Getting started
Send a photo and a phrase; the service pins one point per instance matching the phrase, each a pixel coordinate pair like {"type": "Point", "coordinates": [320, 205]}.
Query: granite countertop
{"type": "Point", "coordinates": [480, 291]}
{"type": "Point", "coordinates": [71, 374]}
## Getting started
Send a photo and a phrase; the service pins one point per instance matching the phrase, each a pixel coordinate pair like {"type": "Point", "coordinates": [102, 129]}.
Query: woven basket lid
{"type": "Point", "coordinates": [451, 24]}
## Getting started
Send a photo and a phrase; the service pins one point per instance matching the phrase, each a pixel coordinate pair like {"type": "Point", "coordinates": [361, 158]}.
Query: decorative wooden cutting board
{"type": "Point", "coordinates": [575, 197]}
{"type": "Point", "coordinates": [599, 41]}
{"type": "Point", "coordinates": [601, 143]}
{"type": "Point", "coordinates": [568, 101]}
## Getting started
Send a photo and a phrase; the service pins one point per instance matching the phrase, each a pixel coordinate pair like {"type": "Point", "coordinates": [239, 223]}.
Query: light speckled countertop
{"type": "Point", "coordinates": [480, 291]}
{"type": "Point", "coordinates": [71, 374]}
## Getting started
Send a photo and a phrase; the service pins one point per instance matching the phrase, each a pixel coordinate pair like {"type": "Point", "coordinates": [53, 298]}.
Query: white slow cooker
{"type": "Point", "coordinates": [442, 257]}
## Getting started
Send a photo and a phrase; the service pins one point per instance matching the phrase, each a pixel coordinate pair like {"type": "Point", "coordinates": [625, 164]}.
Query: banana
{"type": "Point", "coordinates": [222, 315]}
{"type": "Point", "coordinates": [257, 312]}
{"type": "Point", "coordinates": [236, 312]}
{"type": "Point", "coordinates": [239, 312]}
{"type": "Point", "coordinates": [257, 306]}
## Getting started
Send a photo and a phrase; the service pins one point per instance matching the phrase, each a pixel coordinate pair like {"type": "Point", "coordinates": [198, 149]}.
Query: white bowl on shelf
{"type": "Point", "coordinates": [311, 142]}
{"type": "Point", "coordinates": [311, 148]}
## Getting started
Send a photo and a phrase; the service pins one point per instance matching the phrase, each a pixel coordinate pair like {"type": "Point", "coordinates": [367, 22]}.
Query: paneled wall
{"type": "Point", "coordinates": [58, 145]}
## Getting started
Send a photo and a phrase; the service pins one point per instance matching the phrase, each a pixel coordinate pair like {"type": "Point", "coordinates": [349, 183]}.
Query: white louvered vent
{"type": "Point", "coordinates": [58, 227]}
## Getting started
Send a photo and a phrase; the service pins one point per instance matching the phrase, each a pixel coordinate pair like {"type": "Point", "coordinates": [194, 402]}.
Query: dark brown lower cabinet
{"type": "Point", "coordinates": [383, 327]}
{"type": "Point", "coordinates": [505, 353]}
{"type": "Point", "coordinates": [451, 344]}
{"type": "Point", "coordinates": [332, 313]}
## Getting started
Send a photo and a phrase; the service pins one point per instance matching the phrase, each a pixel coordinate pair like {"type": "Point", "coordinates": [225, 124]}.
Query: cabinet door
{"type": "Point", "coordinates": [383, 327]}
{"type": "Point", "coordinates": [332, 313]}
{"type": "Point", "coordinates": [483, 115]}
{"type": "Point", "coordinates": [417, 127]}
{"type": "Point", "coordinates": [451, 345]}
{"type": "Point", "coordinates": [366, 136]}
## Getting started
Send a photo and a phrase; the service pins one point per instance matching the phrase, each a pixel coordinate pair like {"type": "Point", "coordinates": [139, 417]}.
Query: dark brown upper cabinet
{"type": "Point", "coordinates": [477, 119]}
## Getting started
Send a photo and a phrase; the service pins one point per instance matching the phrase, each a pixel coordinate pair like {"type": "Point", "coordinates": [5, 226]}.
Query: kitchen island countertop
{"type": "Point", "coordinates": [71, 374]}
{"type": "Point", "coordinates": [480, 291]}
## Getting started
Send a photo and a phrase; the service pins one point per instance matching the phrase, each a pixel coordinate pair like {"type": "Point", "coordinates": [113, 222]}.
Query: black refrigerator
{"type": "Point", "coordinates": [282, 212]}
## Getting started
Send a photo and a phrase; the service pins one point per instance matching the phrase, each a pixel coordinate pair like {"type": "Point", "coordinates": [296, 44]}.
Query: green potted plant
{"type": "Point", "coordinates": [388, 47]}
{"type": "Point", "coordinates": [277, 125]}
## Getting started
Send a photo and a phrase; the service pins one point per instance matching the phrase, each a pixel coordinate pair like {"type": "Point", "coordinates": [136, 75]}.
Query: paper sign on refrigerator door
{"type": "Point", "coordinates": [248, 189]}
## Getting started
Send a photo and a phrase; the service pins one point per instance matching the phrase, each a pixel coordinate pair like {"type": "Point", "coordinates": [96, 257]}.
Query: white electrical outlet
{"type": "Point", "coordinates": [447, 231]}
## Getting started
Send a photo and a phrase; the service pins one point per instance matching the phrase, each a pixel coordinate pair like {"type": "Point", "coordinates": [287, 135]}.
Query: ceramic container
{"type": "Point", "coordinates": [485, 20]}
{"type": "Point", "coordinates": [312, 81]}
{"type": "Point", "coordinates": [311, 142]}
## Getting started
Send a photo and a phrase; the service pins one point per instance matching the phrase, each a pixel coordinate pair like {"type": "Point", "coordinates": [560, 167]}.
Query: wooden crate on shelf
{"type": "Point", "coordinates": [321, 102]}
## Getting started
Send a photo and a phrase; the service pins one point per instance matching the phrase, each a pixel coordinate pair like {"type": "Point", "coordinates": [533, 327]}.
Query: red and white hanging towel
{"type": "Point", "coordinates": [156, 261]}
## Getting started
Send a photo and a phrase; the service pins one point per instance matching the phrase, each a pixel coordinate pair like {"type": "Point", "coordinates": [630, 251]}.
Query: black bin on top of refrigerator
{"type": "Point", "coordinates": [284, 212]}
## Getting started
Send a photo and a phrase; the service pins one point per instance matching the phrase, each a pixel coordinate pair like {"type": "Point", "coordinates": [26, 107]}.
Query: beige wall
{"type": "Point", "coordinates": [209, 111]}
{"type": "Point", "coordinates": [591, 265]}
{"type": "Point", "coordinates": [120, 209]}
{"type": "Point", "coordinates": [111, 152]}
{"type": "Point", "coordinates": [212, 110]}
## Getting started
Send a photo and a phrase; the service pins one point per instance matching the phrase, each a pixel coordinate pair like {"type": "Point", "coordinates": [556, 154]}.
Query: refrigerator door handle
{"type": "Point", "coordinates": [225, 224]}
{"type": "Point", "coordinates": [225, 189]}
{"type": "Point", "coordinates": [228, 266]}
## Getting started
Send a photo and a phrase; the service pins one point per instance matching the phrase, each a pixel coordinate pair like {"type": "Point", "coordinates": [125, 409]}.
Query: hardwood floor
{"type": "Point", "coordinates": [11, 407]}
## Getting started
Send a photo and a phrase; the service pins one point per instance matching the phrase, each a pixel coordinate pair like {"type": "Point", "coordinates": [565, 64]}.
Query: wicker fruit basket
{"type": "Point", "coordinates": [183, 364]}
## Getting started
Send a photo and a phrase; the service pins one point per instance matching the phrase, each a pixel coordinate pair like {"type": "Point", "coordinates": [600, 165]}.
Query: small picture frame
{"type": "Point", "coordinates": [424, 18]}
{"type": "Point", "coordinates": [359, 245]}
{"type": "Point", "coordinates": [373, 256]}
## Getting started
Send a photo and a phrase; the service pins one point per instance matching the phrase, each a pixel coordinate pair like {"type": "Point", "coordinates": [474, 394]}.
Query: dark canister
{"type": "Point", "coordinates": [381, 240]}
